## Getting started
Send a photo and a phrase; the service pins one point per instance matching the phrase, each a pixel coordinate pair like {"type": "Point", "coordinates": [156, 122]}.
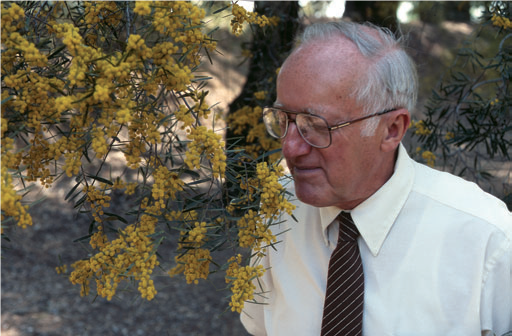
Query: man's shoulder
{"type": "Point", "coordinates": [463, 196]}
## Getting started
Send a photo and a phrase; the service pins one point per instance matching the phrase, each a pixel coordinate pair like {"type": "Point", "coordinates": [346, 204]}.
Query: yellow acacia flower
{"type": "Point", "coordinates": [194, 264]}
{"type": "Point", "coordinates": [429, 157]}
{"type": "Point", "coordinates": [123, 116]}
{"type": "Point", "coordinates": [137, 45]}
{"type": "Point", "coordinates": [449, 135]}
{"type": "Point", "coordinates": [260, 95]}
{"type": "Point", "coordinates": [142, 7]}
{"type": "Point", "coordinates": [501, 21]}
{"type": "Point", "coordinates": [97, 11]}
{"type": "Point", "coordinates": [11, 200]}
{"type": "Point", "coordinates": [167, 184]}
{"type": "Point", "coordinates": [61, 269]}
{"type": "Point", "coordinates": [206, 142]}
{"type": "Point", "coordinates": [421, 128]}
{"type": "Point", "coordinates": [99, 144]}
{"type": "Point", "coordinates": [197, 234]}
{"type": "Point", "coordinates": [4, 124]}
{"type": "Point", "coordinates": [253, 232]}
{"type": "Point", "coordinates": [194, 261]}
{"type": "Point", "coordinates": [240, 280]}
{"type": "Point", "coordinates": [98, 200]}
{"type": "Point", "coordinates": [130, 188]}
{"type": "Point", "coordinates": [240, 15]}
{"type": "Point", "coordinates": [247, 120]}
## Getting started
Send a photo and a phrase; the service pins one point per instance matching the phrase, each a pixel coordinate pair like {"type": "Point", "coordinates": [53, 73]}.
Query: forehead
{"type": "Point", "coordinates": [320, 76]}
{"type": "Point", "coordinates": [334, 56]}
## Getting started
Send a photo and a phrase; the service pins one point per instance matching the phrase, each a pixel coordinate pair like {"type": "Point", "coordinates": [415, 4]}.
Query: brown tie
{"type": "Point", "coordinates": [343, 307]}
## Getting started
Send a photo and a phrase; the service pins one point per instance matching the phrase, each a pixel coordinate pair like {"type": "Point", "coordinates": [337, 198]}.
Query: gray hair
{"type": "Point", "coordinates": [391, 80]}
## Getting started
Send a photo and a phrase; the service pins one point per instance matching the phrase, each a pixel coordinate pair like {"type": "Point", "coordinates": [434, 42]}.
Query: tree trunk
{"type": "Point", "coordinates": [457, 11]}
{"type": "Point", "coordinates": [382, 13]}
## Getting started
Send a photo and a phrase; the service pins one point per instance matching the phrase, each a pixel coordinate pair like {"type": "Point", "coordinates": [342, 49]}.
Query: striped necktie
{"type": "Point", "coordinates": [343, 307]}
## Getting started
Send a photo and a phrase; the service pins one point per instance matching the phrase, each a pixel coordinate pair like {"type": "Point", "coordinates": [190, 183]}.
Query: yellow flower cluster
{"type": "Point", "coordinates": [206, 142]}
{"type": "Point", "coordinates": [194, 261]}
{"type": "Point", "coordinates": [185, 116]}
{"type": "Point", "coordinates": [240, 279]}
{"type": "Point", "coordinates": [260, 95]}
{"type": "Point", "coordinates": [168, 20]}
{"type": "Point", "coordinates": [72, 157]}
{"type": "Point", "coordinates": [130, 255]}
{"type": "Point", "coordinates": [81, 54]}
{"type": "Point", "coordinates": [99, 144]}
{"type": "Point", "coordinates": [166, 185]}
{"type": "Point", "coordinates": [4, 124]}
{"type": "Point", "coordinates": [180, 216]}
{"type": "Point", "coordinates": [253, 232]}
{"type": "Point", "coordinates": [101, 11]}
{"type": "Point", "coordinates": [247, 119]}
{"type": "Point", "coordinates": [97, 200]}
{"type": "Point", "coordinates": [194, 264]}
{"type": "Point", "coordinates": [11, 201]}
{"type": "Point", "coordinates": [14, 44]}
{"type": "Point", "coordinates": [420, 128]}
{"type": "Point", "coordinates": [273, 201]}
{"type": "Point", "coordinates": [81, 275]}
{"type": "Point", "coordinates": [130, 188]}
{"type": "Point", "coordinates": [254, 227]}
{"type": "Point", "coordinates": [241, 15]}
{"type": "Point", "coordinates": [137, 45]}
{"type": "Point", "coordinates": [429, 157]}
{"type": "Point", "coordinates": [142, 7]}
{"type": "Point", "coordinates": [449, 135]}
{"type": "Point", "coordinates": [198, 233]}
{"type": "Point", "coordinates": [501, 21]}
{"type": "Point", "coordinates": [61, 269]}
{"type": "Point", "coordinates": [142, 130]}
{"type": "Point", "coordinates": [189, 116]}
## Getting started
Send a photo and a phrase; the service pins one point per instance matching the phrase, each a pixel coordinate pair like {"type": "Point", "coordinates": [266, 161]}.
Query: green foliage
{"type": "Point", "coordinates": [468, 120]}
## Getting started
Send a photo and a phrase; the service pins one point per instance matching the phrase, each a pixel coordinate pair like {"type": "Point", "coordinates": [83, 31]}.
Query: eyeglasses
{"type": "Point", "coordinates": [314, 129]}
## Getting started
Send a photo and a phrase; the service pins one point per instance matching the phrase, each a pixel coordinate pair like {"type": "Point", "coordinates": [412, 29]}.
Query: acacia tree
{"type": "Point", "coordinates": [83, 82]}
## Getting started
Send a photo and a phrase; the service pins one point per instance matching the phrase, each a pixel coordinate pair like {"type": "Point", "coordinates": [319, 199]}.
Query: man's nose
{"type": "Point", "coordinates": [293, 145]}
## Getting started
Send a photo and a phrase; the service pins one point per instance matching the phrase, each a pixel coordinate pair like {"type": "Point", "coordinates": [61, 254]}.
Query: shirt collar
{"type": "Point", "coordinates": [375, 216]}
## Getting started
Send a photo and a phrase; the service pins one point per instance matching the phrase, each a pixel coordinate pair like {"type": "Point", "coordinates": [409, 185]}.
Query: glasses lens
{"type": "Point", "coordinates": [314, 130]}
{"type": "Point", "coordinates": [275, 121]}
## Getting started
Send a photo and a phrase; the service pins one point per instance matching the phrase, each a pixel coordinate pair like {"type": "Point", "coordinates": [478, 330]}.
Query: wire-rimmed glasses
{"type": "Point", "coordinates": [314, 129]}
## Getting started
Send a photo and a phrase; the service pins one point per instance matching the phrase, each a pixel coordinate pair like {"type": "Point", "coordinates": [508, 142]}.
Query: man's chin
{"type": "Point", "coordinates": [311, 196]}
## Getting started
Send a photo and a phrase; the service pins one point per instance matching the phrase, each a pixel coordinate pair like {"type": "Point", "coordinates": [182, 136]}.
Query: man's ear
{"type": "Point", "coordinates": [396, 125]}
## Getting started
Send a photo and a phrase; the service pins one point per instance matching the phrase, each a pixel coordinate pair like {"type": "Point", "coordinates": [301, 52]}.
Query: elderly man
{"type": "Point", "coordinates": [382, 245]}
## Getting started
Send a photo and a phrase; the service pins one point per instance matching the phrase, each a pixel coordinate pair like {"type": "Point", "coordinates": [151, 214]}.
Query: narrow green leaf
{"type": "Point", "coordinates": [71, 191]}
{"type": "Point", "coordinates": [115, 216]}
{"type": "Point", "coordinates": [100, 179]}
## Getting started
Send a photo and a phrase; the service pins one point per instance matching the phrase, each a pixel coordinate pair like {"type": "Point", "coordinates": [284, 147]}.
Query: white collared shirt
{"type": "Point", "coordinates": [436, 252]}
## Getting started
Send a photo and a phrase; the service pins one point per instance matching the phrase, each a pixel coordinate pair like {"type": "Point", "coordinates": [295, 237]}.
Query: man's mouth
{"type": "Point", "coordinates": [305, 169]}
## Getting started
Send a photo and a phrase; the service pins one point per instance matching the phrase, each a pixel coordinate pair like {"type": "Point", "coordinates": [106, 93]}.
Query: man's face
{"type": "Point", "coordinates": [319, 80]}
